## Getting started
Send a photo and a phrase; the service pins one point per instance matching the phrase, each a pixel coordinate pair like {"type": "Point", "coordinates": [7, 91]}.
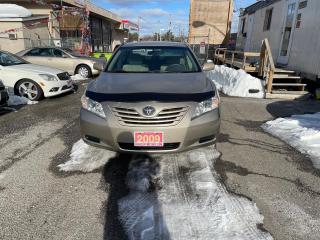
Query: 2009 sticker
{"type": "Point", "coordinates": [148, 139]}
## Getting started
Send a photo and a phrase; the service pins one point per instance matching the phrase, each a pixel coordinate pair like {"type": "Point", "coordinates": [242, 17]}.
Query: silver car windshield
{"type": "Point", "coordinates": [7, 59]}
{"type": "Point", "coordinates": [153, 60]}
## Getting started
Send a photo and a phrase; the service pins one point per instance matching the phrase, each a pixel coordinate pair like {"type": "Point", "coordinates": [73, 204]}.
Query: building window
{"type": "Point", "coordinates": [298, 24]}
{"type": "Point", "coordinates": [267, 20]}
{"type": "Point", "coordinates": [303, 4]}
{"type": "Point", "coordinates": [243, 26]}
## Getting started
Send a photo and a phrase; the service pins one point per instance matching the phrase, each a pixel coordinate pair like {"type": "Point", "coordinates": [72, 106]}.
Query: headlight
{"type": "Point", "coordinates": [92, 106]}
{"type": "Point", "coordinates": [48, 77]}
{"type": "Point", "coordinates": [207, 106]}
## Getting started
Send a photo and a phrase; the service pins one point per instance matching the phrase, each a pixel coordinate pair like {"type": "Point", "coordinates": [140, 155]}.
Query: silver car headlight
{"type": "Point", "coordinates": [207, 106]}
{"type": "Point", "coordinates": [92, 106]}
{"type": "Point", "coordinates": [48, 77]}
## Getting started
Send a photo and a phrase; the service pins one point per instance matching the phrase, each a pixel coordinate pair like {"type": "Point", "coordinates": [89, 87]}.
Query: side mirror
{"type": "Point", "coordinates": [98, 66]}
{"type": "Point", "coordinates": [65, 56]}
{"type": "Point", "coordinates": [208, 66]}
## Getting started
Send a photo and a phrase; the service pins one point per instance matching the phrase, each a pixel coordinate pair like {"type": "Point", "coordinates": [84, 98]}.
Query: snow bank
{"type": "Point", "coordinates": [86, 158]}
{"type": "Point", "coordinates": [15, 100]}
{"type": "Point", "coordinates": [13, 11]}
{"type": "Point", "coordinates": [301, 132]}
{"type": "Point", "coordinates": [78, 77]}
{"type": "Point", "coordinates": [236, 82]}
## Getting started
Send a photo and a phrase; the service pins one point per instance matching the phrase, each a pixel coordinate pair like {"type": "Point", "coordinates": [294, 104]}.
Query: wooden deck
{"type": "Point", "coordinates": [261, 63]}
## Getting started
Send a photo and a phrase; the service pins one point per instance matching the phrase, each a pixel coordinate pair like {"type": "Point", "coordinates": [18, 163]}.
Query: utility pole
{"type": "Point", "coordinates": [139, 26]}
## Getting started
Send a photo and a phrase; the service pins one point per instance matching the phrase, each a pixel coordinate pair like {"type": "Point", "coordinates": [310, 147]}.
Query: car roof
{"type": "Point", "coordinates": [154, 44]}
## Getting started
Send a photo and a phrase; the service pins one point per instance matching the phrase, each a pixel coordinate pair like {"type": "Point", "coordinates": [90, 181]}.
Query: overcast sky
{"type": "Point", "coordinates": [156, 14]}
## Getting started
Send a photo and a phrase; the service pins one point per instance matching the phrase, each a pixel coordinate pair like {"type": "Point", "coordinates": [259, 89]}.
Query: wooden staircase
{"type": "Point", "coordinates": [280, 82]}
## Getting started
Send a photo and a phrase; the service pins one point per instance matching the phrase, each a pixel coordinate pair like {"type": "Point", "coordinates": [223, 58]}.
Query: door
{"type": "Point", "coordinates": [287, 32]}
{"type": "Point", "coordinates": [63, 61]}
{"type": "Point", "coordinates": [40, 56]}
{"type": "Point", "coordinates": [249, 33]}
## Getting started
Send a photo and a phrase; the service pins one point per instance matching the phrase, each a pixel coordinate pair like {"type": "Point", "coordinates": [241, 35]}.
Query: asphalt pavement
{"type": "Point", "coordinates": [252, 186]}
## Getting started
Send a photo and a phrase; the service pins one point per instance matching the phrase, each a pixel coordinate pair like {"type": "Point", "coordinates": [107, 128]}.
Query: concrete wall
{"type": "Point", "coordinates": [26, 38]}
{"type": "Point", "coordinates": [118, 37]}
{"type": "Point", "coordinates": [11, 45]}
{"type": "Point", "coordinates": [210, 15]}
{"type": "Point", "coordinates": [305, 48]}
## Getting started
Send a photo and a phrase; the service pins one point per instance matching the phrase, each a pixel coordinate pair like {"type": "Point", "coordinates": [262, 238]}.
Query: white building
{"type": "Point", "coordinates": [292, 28]}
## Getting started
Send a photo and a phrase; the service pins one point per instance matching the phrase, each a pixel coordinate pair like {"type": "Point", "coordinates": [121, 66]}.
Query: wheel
{"type": "Point", "coordinates": [29, 89]}
{"type": "Point", "coordinates": [84, 71]}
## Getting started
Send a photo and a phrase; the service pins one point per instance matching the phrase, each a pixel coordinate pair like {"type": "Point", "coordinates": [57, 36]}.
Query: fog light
{"type": "Point", "coordinates": [55, 89]}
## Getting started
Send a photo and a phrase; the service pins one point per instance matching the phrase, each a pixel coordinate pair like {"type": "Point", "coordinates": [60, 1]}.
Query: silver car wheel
{"type": "Point", "coordinates": [28, 90]}
{"type": "Point", "coordinates": [83, 71]}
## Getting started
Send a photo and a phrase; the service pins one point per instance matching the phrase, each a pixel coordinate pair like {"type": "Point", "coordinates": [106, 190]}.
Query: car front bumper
{"type": "Point", "coordinates": [56, 88]}
{"type": "Point", "coordinates": [188, 134]}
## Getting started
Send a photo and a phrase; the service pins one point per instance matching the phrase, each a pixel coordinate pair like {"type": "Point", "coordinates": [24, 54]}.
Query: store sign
{"type": "Point", "coordinates": [128, 25]}
{"type": "Point", "coordinates": [202, 48]}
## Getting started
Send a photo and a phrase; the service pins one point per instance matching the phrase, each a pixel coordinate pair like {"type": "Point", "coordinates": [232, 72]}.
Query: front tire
{"type": "Point", "coordinates": [84, 71]}
{"type": "Point", "coordinates": [29, 89]}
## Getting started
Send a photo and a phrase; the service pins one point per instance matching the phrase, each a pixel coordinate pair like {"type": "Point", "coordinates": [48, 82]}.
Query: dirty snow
{"type": "Point", "coordinates": [175, 196]}
{"type": "Point", "coordinates": [301, 132]}
{"type": "Point", "coordinates": [236, 82]}
{"type": "Point", "coordinates": [86, 158]}
{"type": "Point", "coordinates": [78, 77]}
{"type": "Point", "coordinates": [15, 100]}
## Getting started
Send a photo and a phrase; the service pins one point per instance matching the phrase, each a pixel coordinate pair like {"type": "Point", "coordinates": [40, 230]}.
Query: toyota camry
{"type": "Point", "coordinates": [151, 97]}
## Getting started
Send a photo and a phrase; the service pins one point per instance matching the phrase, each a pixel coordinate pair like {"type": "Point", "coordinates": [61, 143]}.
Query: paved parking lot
{"type": "Point", "coordinates": [203, 194]}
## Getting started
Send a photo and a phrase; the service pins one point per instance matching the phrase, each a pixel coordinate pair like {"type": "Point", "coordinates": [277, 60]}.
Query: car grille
{"type": "Point", "coordinates": [166, 147]}
{"type": "Point", "coordinates": [65, 87]}
{"type": "Point", "coordinates": [63, 76]}
{"type": "Point", "coordinates": [167, 117]}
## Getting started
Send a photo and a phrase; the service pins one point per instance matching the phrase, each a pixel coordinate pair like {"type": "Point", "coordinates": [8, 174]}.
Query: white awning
{"type": "Point", "coordinates": [13, 11]}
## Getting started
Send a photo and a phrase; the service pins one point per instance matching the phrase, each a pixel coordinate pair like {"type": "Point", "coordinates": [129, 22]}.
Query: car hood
{"type": "Point", "coordinates": [149, 86]}
{"type": "Point", "coordinates": [36, 69]}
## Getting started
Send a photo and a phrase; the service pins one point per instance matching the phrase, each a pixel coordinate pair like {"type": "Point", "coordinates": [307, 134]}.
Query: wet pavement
{"type": "Point", "coordinates": [252, 186]}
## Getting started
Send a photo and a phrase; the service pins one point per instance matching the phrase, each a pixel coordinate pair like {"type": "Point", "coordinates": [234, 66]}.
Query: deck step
{"type": "Point", "coordinates": [287, 95]}
{"type": "Point", "coordinates": [285, 76]}
{"type": "Point", "coordinates": [280, 70]}
{"type": "Point", "coordinates": [289, 92]}
{"type": "Point", "coordinates": [290, 84]}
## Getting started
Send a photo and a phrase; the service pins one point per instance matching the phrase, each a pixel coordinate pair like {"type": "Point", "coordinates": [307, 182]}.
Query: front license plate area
{"type": "Point", "coordinates": [148, 139]}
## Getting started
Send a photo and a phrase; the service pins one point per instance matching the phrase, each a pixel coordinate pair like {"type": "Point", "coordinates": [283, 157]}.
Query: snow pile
{"type": "Point", "coordinates": [15, 100]}
{"type": "Point", "coordinates": [185, 200]}
{"type": "Point", "coordinates": [236, 82]}
{"type": "Point", "coordinates": [301, 132]}
{"type": "Point", "coordinates": [13, 11]}
{"type": "Point", "coordinates": [78, 77]}
{"type": "Point", "coordinates": [86, 158]}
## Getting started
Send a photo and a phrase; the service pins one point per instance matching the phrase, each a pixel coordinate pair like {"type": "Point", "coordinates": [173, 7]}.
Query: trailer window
{"type": "Point", "coordinates": [267, 20]}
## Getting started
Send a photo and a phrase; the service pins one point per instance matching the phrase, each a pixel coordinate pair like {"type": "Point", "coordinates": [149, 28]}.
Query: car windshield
{"type": "Point", "coordinates": [153, 60]}
{"type": "Point", "coordinates": [8, 59]}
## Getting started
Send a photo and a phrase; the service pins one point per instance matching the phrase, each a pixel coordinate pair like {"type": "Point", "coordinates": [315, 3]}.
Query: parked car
{"type": "Point", "coordinates": [4, 96]}
{"type": "Point", "coordinates": [151, 97]}
{"type": "Point", "coordinates": [62, 58]}
{"type": "Point", "coordinates": [32, 81]}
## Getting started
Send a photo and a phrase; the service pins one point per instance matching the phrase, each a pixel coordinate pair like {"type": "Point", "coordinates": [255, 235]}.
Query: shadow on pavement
{"type": "Point", "coordinates": [133, 211]}
{"type": "Point", "coordinates": [289, 108]}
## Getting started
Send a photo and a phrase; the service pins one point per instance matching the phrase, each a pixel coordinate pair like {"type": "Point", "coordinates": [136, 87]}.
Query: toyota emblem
{"type": "Point", "coordinates": [149, 111]}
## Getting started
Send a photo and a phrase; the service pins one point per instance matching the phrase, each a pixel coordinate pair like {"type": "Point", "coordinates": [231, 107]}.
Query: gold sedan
{"type": "Point", "coordinates": [62, 58]}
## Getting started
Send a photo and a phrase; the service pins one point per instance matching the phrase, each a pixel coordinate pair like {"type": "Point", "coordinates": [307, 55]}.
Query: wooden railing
{"type": "Point", "coordinates": [236, 58]}
{"type": "Point", "coordinates": [266, 65]}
